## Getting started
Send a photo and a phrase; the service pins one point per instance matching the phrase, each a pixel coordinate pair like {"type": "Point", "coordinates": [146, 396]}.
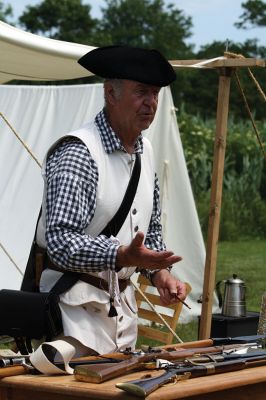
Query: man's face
{"type": "Point", "coordinates": [137, 104]}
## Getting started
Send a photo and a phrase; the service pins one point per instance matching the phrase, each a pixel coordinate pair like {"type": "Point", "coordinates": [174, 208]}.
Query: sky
{"type": "Point", "coordinates": [212, 19]}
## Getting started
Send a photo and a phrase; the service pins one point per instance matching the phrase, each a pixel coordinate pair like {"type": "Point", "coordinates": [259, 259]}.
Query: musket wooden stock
{"type": "Point", "coordinates": [103, 372]}
{"type": "Point", "coordinates": [103, 360]}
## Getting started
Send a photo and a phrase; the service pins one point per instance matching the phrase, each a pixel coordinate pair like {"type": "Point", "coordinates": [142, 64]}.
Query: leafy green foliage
{"type": "Point", "coordinates": [147, 23]}
{"type": "Point", "coordinates": [254, 14]}
{"type": "Point", "coordinates": [244, 202]}
{"type": "Point", "coordinates": [67, 20]}
{"type": "Point", "coordinates": [5, 12]}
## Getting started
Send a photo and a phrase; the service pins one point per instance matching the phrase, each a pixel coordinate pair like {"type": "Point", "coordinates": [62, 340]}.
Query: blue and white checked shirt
{"type": "Point", "coordinates": [72, 178]}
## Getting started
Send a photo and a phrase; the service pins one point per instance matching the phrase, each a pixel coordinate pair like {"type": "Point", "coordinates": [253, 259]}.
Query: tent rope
{"type": "Point", "coordinates": [12, 260]}
{"type": "Point", "coordinates": [259, 88]}
{"type": "Point", "coordinates": [35, 159]}
{"type": "Point", "coordinates": [240, 87]}
{"type": "Point", "coordinates": [20, 139]}
{"type": "Point", "coordinates": [250, 114]}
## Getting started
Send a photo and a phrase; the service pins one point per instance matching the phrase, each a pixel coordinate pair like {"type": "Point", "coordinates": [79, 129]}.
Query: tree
{"type": "Point", "coordinates": [199, 95]}
{"type": "Point", "coordinates": [67, 20]}
{"type": "Point", "coordinates": [147, 23]}
{"type": "Point", "coordinates": [5, 12]}
{"type": "Point", "coordinates": [254, 14]}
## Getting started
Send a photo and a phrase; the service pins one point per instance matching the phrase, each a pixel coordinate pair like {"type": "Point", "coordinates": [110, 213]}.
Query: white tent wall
{"type": "Point", "coordinates": [40, 115]}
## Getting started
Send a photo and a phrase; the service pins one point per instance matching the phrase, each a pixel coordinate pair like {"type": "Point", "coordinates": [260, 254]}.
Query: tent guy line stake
{"type": "Point", "coordinates": [156, 312]}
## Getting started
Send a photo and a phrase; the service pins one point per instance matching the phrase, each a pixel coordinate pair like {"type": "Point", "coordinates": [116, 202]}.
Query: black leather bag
{"type": "Point", "coordinates": [29, 314]}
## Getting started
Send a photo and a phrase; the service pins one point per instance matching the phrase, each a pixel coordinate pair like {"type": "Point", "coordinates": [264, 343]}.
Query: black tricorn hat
{"type": "Point", "coordinates": [133, 63]}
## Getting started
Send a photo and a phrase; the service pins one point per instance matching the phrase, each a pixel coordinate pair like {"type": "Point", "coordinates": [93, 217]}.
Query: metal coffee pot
{"type": "Point", "coordinates": [234, 297]}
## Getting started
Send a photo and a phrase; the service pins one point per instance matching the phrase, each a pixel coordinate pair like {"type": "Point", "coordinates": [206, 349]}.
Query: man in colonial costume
{"type": "Point", "coordinates": [86, 174]}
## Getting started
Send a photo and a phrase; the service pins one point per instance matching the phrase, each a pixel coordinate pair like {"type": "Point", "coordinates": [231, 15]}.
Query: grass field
{"type": "Point", "coordinates": [246, 259]}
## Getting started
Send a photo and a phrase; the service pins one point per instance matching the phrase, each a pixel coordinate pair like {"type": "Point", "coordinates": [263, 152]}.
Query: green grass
{"type": "Point", "coordinates": [247, 259]}
{"type": "Point", "coordinates": [186, 332]}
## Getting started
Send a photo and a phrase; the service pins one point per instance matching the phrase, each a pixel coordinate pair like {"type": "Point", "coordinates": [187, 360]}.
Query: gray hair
{"type": "Point", "coordinates": [117, 86]}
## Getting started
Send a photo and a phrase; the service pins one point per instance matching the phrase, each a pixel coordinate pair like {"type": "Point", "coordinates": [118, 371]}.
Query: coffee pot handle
{"type": "Point", "coordinates": [218, 291]}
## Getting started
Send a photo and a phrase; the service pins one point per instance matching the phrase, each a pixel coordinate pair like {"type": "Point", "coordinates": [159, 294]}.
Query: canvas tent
{"type": "Point", "coordinates": [41, 114]}
{"type": "Point", "coordinates": [31, 57]}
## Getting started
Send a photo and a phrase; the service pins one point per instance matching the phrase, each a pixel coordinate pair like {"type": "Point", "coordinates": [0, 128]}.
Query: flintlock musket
{"type": "Point", "coordinates": [231, 362]}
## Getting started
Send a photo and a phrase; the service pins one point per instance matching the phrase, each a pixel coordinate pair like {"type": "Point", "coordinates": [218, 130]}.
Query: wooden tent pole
{"type": "Point", "coordinates": [215, 202]}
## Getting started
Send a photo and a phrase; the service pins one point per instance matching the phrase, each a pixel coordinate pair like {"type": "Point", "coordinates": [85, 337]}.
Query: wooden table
{"type": "Point", "coordinates": [239, 385]}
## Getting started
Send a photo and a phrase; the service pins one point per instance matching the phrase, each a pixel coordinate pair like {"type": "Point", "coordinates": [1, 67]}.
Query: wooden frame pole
{"type": "Point", "coordinates": [215, 202]}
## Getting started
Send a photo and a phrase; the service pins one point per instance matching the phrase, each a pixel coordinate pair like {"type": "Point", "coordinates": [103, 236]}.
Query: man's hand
{"type": "Point", "coordinates": [136, 254]}
{"type": "Point", "coordinates": [169, 288]}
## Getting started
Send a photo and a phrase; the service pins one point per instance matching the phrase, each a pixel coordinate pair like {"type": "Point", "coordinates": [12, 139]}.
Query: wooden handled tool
{"type": "Point", "coordinates": [12, 371]}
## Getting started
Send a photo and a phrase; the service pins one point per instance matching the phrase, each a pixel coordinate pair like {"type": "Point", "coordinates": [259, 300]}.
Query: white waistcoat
{"type": "Point", "coordinates": [84, 307]}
